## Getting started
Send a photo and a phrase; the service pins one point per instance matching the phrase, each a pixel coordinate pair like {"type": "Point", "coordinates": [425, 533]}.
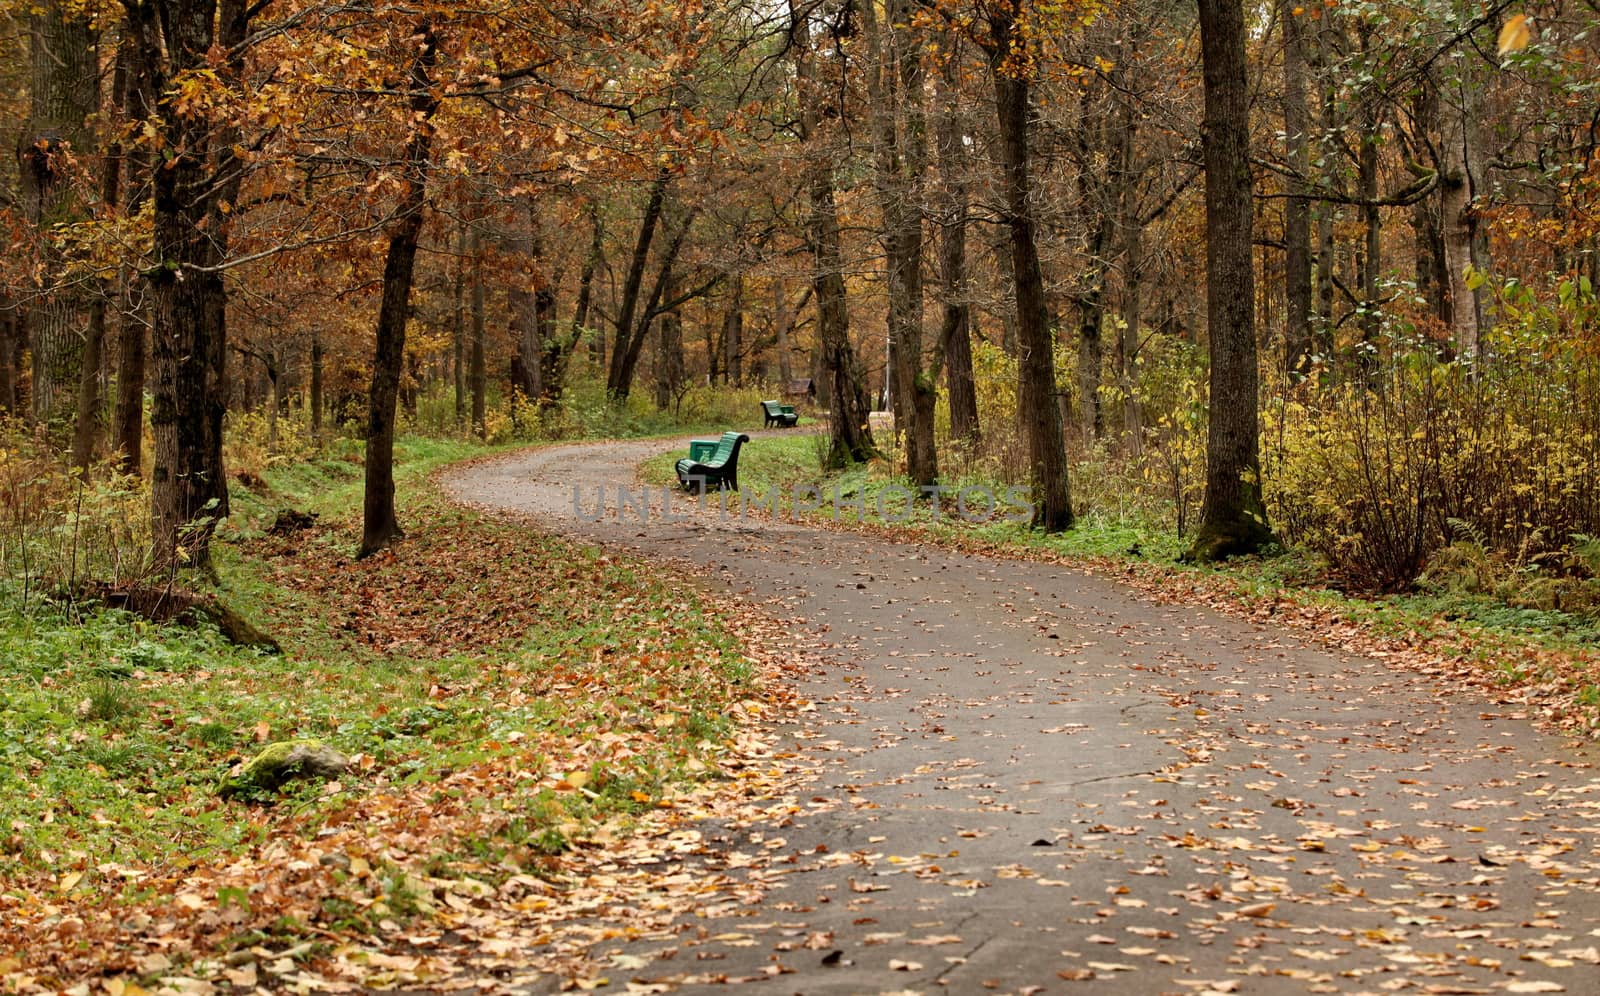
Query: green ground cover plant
{"type": "Point", "coordinates": [515, 693]}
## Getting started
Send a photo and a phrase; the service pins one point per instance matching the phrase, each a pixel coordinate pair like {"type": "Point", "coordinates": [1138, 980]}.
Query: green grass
{"type": "Point", "coordinates": [115, 732]}
{"type": "Point", "coordinates": [788, 462]}
{"type": "Point", "coordinates": [1473, 625]}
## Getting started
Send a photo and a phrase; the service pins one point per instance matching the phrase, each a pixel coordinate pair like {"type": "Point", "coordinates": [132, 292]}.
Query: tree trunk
{"type": "Point", "coordinates": [1297, 209]}
{"type": "Point", "coordinates": [1233, 519]}
{"type": "Point", "coordinates": [316, 384]}
{"type": "Point", "coordinates": [1461, 183]}
{"type": "Point", "coordinates": [783, 317]}
{"type": "Point", "coordinates": [458, 326]}
{"type": "Point", "coordinates": [733, 334]}
{"type": "Point", "coordinates": [1326, 214]}
{"type": "Point", "coordinates": [620, 377]}
{"type": "Point", "coordinates": [478, 374]}
{"type": "Point", "coordinates": [849, 432]}
{"type": "Point", "coordinates": [521, 301]}
{"type": "Point", "coordinates": [10, 347]}
{"type": "Point", "coordinates": [669, 372]}
{"type": "Point", "coordinates": [629, 346]}
{"type": "Point", "coordinates": [591, 263]}
{"type": "Point", "coordinates": [89, 420]}
{"type": "Point", "coordinates": [900, 125]}
{"type": "Point", "coordinates": [379, 525]}
{"type": "Point", "coordinates": [274, 398]}
{"type": "Point", "coordinates": [1431, 273]}
{"type": "Point", "coordinates": [1103, 202]}
{"type": "Point", "coordinates": [1128, 342]}
{"type": "Point", "coordinates": [1038, 412]}
{"type": "Point", "coordinates": [554, 350]}
{"type": "Point", "coordinates": [1372, 250]}
{"type": "Point", "coordinates": [64, 93]}
{"type": "Point", "coordinates": [128, 414]}
{"type": "Point", "coordinates": [955, 327]}
{"type": "Point", "coordinates": [188, 300]}
{"type": "Point", "coordinates": [89, 424]}
{"type": "Point", "coordinates": [1091, 315]}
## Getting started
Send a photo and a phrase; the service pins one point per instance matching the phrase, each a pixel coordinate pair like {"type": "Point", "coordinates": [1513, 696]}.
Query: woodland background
{"type": "Point", "coordinates": [238, 232]}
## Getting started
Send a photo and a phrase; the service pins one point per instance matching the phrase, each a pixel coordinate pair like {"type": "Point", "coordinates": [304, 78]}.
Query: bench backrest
{"type": "Point", "coordinates": [771, 407]}
{"type": "Point", "coordinates": [725, 447]}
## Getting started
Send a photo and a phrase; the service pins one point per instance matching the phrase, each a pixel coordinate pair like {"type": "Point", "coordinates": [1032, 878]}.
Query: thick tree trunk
{"type": "Point", "coordinates": [1297, 209]}
{"type": "Point", "coordinates": [1038, 411]}
{"type": "Point", "coordinates": [188, 300]}
{"type": "Point", "coordinates": [1104, 198]}
{"type": "Point", "coordinates": [64, 92]}
{"type": "Point", "coordinates": [1233, 519]}
{"type": "Point", "coordinates": [1326, 214]}
{"type": "Point", "coordinates": [128, 417]}
{"type": "Point", "coordinates": [379, 525]}
{"type": "Point", "coordinates": [275, 398]}
{"type": "Point", "coordinates": [850, 434]}
{"type": "Point", "coordinates": [540, 366]}
{"type": "Point", "coordinates": [554, 351]}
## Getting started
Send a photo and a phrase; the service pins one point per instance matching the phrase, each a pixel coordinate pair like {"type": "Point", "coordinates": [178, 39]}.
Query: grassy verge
{"type": "Point", "coordinates": [502, 695]}
{"type": "Point", "coordinates": [1548, 658]}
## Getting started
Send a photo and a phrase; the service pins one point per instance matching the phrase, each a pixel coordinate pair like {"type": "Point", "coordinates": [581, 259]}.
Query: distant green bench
{"type": "Point", "coordinates": [721, 468]}
{"type": "Point", "coordinates": [777, 414]}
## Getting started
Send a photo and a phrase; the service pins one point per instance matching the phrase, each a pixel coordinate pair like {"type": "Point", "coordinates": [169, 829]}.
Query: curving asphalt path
{"type": "Point", "coordinates": [1036, 780]}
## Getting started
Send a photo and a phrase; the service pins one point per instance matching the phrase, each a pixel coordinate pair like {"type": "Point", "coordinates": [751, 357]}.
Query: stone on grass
{"type": "Point", "coordinates": [283, 762]}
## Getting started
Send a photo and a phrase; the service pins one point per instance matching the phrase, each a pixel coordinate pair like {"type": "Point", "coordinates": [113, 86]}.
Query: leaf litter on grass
{"type": "Point", "coordinates": [612, 714]}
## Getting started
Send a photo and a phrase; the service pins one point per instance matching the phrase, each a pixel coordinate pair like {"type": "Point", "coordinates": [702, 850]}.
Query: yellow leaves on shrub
{"type": "Point", "coordinates": [1516, 34]}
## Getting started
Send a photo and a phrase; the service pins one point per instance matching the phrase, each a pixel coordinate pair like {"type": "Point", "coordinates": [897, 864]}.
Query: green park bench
{"type": "Point", "coordinates": [778, 414]}
{"type": "Point", "coordinates": [721, 468]}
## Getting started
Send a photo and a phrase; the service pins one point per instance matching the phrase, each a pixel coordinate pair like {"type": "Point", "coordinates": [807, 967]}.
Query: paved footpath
{"type": "Point", "coordinates": [1035, 780]}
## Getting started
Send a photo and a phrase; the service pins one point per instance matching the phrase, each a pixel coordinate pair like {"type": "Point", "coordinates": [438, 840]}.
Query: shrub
{"type": "Point", "coordinates": [1349, 480]}
{"type": "Point", "coordinates": [1503, 452]}
{"type": "Point", "coordinates": [59, 530]}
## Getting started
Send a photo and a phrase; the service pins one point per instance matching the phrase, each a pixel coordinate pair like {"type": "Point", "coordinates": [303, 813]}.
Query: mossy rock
{"type": "Point", "coordinates": [283, 762]}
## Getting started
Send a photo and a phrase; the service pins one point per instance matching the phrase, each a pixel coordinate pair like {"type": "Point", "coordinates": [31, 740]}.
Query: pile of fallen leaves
{"type": "Point", "coordinates": [442, 882]}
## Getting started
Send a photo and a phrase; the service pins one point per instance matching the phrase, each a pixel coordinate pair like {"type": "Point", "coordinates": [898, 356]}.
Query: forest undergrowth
{"type": "Point", "coordinates": [517, 711]}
